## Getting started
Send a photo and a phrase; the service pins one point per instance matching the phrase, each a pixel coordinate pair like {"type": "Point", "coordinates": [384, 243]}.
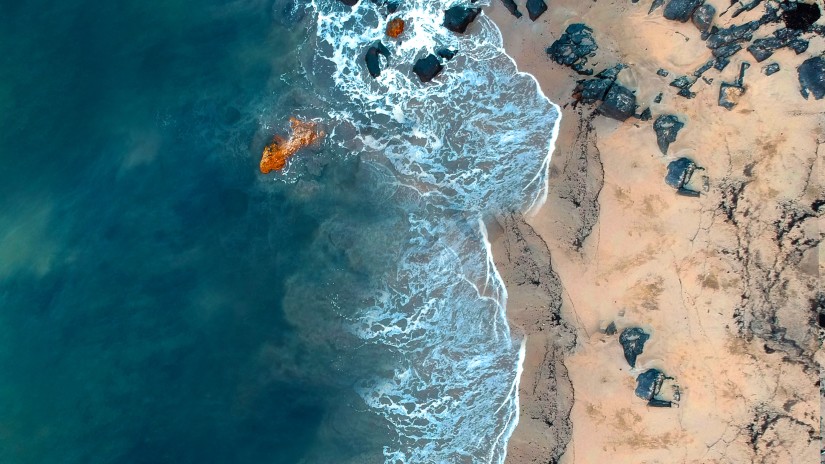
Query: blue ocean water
{"type": "Point", "coordinates": [162, 301]}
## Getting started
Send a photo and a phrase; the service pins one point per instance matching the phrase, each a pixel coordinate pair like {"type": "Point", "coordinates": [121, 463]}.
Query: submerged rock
{"type": "Point", "coordinates": [459, 17]}
{"type": "Point", "coordinates": [633, 341]}
{"type": "Point", "coordinates": [703, 17]}
{"type": "Point", "coordinates": [373, 60]}
{"type": "Point", "coordinates": [667, 126]}
{"type": "Point", "coordinates": [535, 8]}
{"type": "Point", "coordinates": [573, 47]}
{"type": "Point", "coordinates": [276, 154]}
{"type": "Point", "coordinates": [619, 103]}
{"type": "Point", "coordinates": [446, 53]}
{"type": "Point", "coordinates": [427, 68]}
{"type": "Point", "coordinates": [681, 10]}
{"type": "Point", "coordinates": [512, 7]}
{"type": "Point", "coordinates": [812, 77]}
{"type": "Point", "coordinates": [349, 2]}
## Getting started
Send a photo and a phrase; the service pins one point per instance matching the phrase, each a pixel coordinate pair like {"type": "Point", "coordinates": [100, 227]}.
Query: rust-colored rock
{"type": "Point", "coordinates": [395, 27]}
{"type": "Point", "coordinates": [304, 134]}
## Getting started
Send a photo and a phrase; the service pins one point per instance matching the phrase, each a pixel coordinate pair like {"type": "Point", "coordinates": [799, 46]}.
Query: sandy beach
{"type": "Point", "coordinates": [727, 285]}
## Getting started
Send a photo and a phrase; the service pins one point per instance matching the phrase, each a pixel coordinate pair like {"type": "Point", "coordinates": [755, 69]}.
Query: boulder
{"type": "Point", "coordinates": [678, 175]}
{"type": "Point", "coordinates": [667, 126]}
{"type": "Point", "coordinates": [427, 68]}
{"type": "Point", "coordinates": [812, 77]}
{"type": "Point", "coordinates": [459, 17]}
{"type": "Point", "coordinates": [574, 47]}
{"type": "Point", "coordinates": [535, 8]}
{"type": "Point", "coordinates": [633, 341]}
{"type": "Point", "coordinates": [801, 16]}
{"type": "Point", "coordinates": [649, 384]}
{"type": "Point", "coordinates": [703, 17]}
{"type": "Point", "coordinates": [681, 10]}
{"type": "Point", "coordinates": [619, 103]}
{"type": "Point", "coordinates": [373, 60]}
{"type": "Point", "coordinates": [512, 8]}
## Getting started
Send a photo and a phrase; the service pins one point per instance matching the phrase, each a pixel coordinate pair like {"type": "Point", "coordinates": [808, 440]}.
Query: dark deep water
{"type": "Point", "coordinates": [160, 300]}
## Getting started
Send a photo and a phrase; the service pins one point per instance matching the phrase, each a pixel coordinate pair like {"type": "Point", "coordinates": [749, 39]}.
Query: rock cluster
{"type": "Point", "coordinates": [574, 47]}
{"type": "Point", "coordinates": [373, 59]}
{"type": "Point", "coordinates": [618, 102]}
{"type": "Point", "coordinates": [276, 154]}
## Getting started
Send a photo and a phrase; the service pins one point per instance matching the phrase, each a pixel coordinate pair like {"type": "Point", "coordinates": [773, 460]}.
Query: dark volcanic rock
{"type": "Point", "coordinates": [654, 5]}
{"type": "Point", "coordinates": [459, 17]}
{"type": "Point", "coordinates": [646, 115]}
{"type": "Point", "coordinates": [729, 93]}
{"type": "Point", "coordinates": [763, 48]}
{"type": "Point", "coordinates": [349, 2]}
{"type": "Point", "coordinates": [512, 8]}
{"type": "Point", "coordinates": [593, 90]}
{"type": "Point", "coordinates": [812, 77]}
{"type": "Point", "coordinates": [662, 72]}
{"type": "Point", "coordinates": [682, 82]}
{"type": "Point", "coordinates": [681, 10]}
{"type": "Point", "coordinates": [667, 126]}
{"type": "Point", "coordinates": [619, 103]}
{"type": "Point", "coordinates": [535, 8]}
{"type": "Point", "coordinates": [633, 342]}
{"type": "Point", "coordinates": [427, 68]}
{"type": "Point", "coordinates": [649, 384]}
{"type": "Point", "coordinates": [678, 175]}
{"type": "Point", "coordinates": [703, 17]}
{"type": "Point", "coordinates": [770, 69]}
{"type": "Point", "coordinates": [802, 17]}
{"type": "Point", "coordinates": [658, 98]}
{"type": "Point", "coordinates": [610, 329]}
{"type": "Point", "coordinates": [740, 33]}
{"type": "Point", "coordinates": [701, 70]}
{"type": "Point", "coordinates": [373, 60]}
{"type": "Point", "coordinates": [573, 47]}
{"type": "Point", "coordinates": [446, 53]}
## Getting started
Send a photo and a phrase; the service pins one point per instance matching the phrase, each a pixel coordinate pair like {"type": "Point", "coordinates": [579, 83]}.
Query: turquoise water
{"type": "Point", "coordinates": [161, 301]}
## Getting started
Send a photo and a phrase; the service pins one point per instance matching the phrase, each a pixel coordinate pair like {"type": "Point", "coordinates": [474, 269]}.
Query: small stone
{"type": "Point", "coordinates": [662, 72]}
{"type": "Point", "coordinates": [771, 69]}
{"type": "Point", "coordinates": [646, 115]}
{"type": "Point", "coordinates": [610, 329]}
{"type": "Point", "coordinates": [512, 8]}
{"type": "Point", "coordinates": [373, 60]}
{"type": "Point", "coordinates": [658, 98]}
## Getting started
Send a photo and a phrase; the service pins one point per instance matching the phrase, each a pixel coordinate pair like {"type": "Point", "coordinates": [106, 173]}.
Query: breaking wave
{"type": "Point", "coordinates": [475, 141]}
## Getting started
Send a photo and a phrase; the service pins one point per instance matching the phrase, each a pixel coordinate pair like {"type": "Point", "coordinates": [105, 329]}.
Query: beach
{"type": "Point", "coordinates": [725, 284]}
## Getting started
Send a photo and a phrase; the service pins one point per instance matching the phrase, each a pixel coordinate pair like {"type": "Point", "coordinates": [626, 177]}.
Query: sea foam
{"type": "Point", "coordinates": [474, 142]}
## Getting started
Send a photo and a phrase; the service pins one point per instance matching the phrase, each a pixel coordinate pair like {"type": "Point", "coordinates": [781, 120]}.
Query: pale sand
{"type": "Point", "coordinates": [727, 301]}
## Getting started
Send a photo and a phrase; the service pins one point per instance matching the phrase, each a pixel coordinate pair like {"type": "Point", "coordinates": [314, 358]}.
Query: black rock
{"type": "Point", "coordinates": [679, 172]}
{"type": "Point", "coordinates": [646, 115]}
{"type": "Point", "coordinates": [573, 47]}
{"type": "Point", "coordinates": [658, 98]}
{"type": "Point", "coordinates": [726, 51]}
{"type": "Point", "coordinates": [373, 60]}
{"type": "Point", "coordinates": [770, 69]}
{"type": "Point", "coordinates": [446, 53]}
{"type": "Point", "coordinates": [459, 17]}
{"type": "Point", "coordinates": [681, 10]}
{"type": "Point", "coordinates": [701, 70]}
{"type": "Point", "coordinates": [427, 68]}
{"type": "Point", "coordinates": [740, 33]}
{"type": "Point", "coordinates": [746, 7]}
{"type": "Point", "coordinates": [660, 403]}
{"type": "Point", "coordinates": [349, 2]}
{"type": "Point", "coordinates": [619, 103]}
{"type": "Point", "coordinates": [662, 72]}
{"type": "Point", "coordinates": [512, 8]}
{"type": "Point", "coordinates": [802, 17]}
{"type": "Point", "coordinates": [763, 48]}
{"type": "Point", "coordinates": [649, 384]}
{"type": "Point", "coordinates": [633, 342]}
{"type": "Point", "coordinates": [686, 93]}
{"type": "Point", "coordinates": [535, 8]}
{"type": "Point", "coordinates": [654, 5]}
{"type": "Point", "coordinates": [610, 329]}
{"type": "Point", "coordinates": [721, 63]}
{"type": "Point", "coordinates": [593, 90]}
{"type": "Point", "coordinates": [682, 82]}
{"type": "Point", "coordinates": [812, 77]}
{"type": "Point", "coordinates": [667, 126]}
{"type": "Point", "coordinates": [703, 17]}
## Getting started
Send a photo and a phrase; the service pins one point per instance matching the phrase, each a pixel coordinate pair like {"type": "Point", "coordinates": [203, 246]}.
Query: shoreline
{"type": "Point", "coordinates": [613, 243]}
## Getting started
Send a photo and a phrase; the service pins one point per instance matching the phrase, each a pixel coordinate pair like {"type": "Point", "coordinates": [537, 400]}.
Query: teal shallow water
{"type": "Point", "coordinates": [160, 302]}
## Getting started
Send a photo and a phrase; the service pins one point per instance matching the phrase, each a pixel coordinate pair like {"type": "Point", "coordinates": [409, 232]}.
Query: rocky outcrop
{"type": "Point", "coordinates": [574, 47]}
{"type": "Point", "coordinates": [703, 17]}
{"type": "Point", "coordinates": [459, 17]}
{"type": "Point", "coordinates": [276, 154]}
{"type": "Point", "coordinates": [534, 306]}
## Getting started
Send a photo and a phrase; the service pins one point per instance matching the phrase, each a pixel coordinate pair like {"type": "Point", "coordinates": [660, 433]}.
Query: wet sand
{"type": "Point", "coordinates": [725, 284]}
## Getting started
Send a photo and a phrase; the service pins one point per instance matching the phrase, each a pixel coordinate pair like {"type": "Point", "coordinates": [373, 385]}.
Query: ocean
{"type": "Point", "coordinates": [161, 301]}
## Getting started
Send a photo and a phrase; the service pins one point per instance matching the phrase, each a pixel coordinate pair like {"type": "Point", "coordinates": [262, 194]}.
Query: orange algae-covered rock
{"type": "Point", "coordinates": [304, 134]}
{"type": "Point", "coordinates": [395, 27]}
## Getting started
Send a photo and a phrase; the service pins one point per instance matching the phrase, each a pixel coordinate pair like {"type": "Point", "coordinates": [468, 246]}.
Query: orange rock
{"type": "Point", "coordinates": [395, 27]}
{"type": "Point", "coordinates": [304, 134]}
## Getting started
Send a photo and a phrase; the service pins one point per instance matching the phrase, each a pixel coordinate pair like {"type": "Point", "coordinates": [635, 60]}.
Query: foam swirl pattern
{"type": "Point", "coordinates": [475, 141]}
